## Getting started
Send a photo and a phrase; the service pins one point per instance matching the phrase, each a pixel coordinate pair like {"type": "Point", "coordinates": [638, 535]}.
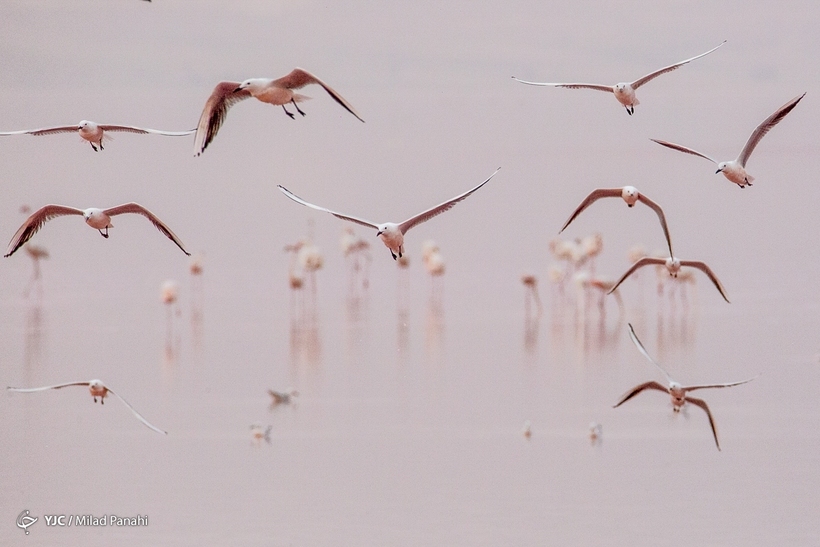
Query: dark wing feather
{"type": "Point", "coordinates": [709, 273]}
{"type": "Point", "coordinates": [764, 127]}
{"type": "Point", "coordinates": [140, 210]}
{"type": "Point", "coordinates": [442, 207]}
{"type": "Point", "coordinates": [223, 97]}
{"type": "Point", "coordinates": [657, 208]}
{"type": "Point", "coordinates": [702, 404]}
{"type": "Point", "coordinates": [637, 389]}
{"type": "Point", "coordinates": [594, 196]}
{"type": "Point", "coordinates": [35, 222]}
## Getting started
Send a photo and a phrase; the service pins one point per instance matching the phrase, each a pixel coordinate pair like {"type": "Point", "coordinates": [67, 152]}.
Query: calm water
{"type": "Point", "coordinates": [407, 430]}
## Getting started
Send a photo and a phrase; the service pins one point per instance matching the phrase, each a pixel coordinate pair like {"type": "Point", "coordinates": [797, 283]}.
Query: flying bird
{"type": "Point", "coordinates": [735, 170]}
{"type": "Point", "coordinates": [96, 218]}
{"type": "Point", "coordinates": [97, 389]}
{"type": "Point", "coordinates": [631, 196]}
{"type": "Point", "coordinates": [277, 92]}
{"type": "Point", "coordinates": [673, 265]}
{"type": "Point", "coordinates": [624, 91]}
{"type": "Point", "coordinates": [94, 133]}
{"type": "Point", "coordinates": [675, 390]}
{"type": "Point", "coordinates": [392, 234]}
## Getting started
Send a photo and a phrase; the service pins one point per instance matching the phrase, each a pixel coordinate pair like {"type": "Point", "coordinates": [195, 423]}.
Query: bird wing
{"type": "Point", "coordinates": [438, 209]}
{"type": "Point", "coordinates": [702, 404]}
{"type": "Point", "coordinates": [764, 128]}
{"type": "Point", "coordinates": [44, 388]}
{"type": "Point", "coordinates": [44, 131]}
{"type": "Point", "coordinates": [357, 220]}
{"type": "Point", "coordinates": [657, 208]}
{"type": "Point", "coordinates": [680, 148]}
{"type": "Point", "coordinates": [638, 264]}
{"type": "Point", "coordinates": [594, 196]}
{"type": "Point", "coordinates": [140, 210]}
{"type": "Point", "coordinates": [643, 351]}
{"type": "Point", "coordinates": [652, 75]}
{"type": "Point", "coordinates": [137, 414]}
{"type": "Point", "coordinates": [35, 222]}
{"type": "Point", "coordinates": [144, 131]}
{"type": "Point", "coordinates": [708, 271]}
{"type": "Point", "coordinates": [637, 389]}
{"type": "Point", "coordinates": [299, 78]}
{"type": "Point", "coordinates": [213, 115]}
{"type": "Point", "coordinates": [709, 386]}
{"type": "Point", "coordinates": [598, 87]}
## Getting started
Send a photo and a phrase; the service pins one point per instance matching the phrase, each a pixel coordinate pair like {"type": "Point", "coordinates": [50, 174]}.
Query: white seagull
{"type": "Point", "coordinates": [96, 218]}
{"type": "Point", "coordinates": [392, 234]}
{"type": "Point", "coordinates": [735, 170]}
{"type": "Point", "coordinates": [624, 91]}
{"type": "Point", "coordinates": [277, 92]}
{"type": "Point", "coordinates": [675, 390]}
{"type": "Point", "coordinates": [673, 265]}
{"type": "Point", "coordinates": [631, 196]}
{"type": "Point", "coordinates": [94, 133]}
{"type": "Point", "coordinates": [97, 389]}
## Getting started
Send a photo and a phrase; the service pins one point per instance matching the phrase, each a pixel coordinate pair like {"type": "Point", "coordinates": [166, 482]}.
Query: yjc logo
{"type": "Point", "coordinates": [24, 520]}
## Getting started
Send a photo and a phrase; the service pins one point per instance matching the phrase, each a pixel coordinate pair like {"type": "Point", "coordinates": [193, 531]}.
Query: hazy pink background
{"type": "Point", "coordinates": [409, 435]}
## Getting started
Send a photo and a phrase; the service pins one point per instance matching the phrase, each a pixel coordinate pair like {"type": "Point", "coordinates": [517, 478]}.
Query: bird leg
{"type": "Point", "coordinates": [288, 113]}
{"type": "Point", "coordinates": [94, 147]}
{"type": "Point", "coordinates": [630, 110]}
{"type": "Point", "coordinates": [105, 235]}
{"type": "Point", "coordinates": [392, 254]}
{"type": "Point", "coordinates": [297, 108]}
{"type": "Point", "coordinates": [101, 146]}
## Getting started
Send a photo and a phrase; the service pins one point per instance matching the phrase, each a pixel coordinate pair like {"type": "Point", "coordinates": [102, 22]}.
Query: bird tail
{"type": "Point", "coordinates": [300, 98]}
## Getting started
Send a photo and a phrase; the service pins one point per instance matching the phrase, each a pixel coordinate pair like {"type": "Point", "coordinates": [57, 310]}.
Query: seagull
{"type": "Point", "coordinates": [673, 265]}
{"type": "Point", "coordinates": [96, 218]}
{"type": "Point", "coordinates": [276, 92]}
{"type": "Point", "coordinates": [624, 91]}
{"type": "Point", "coordinates": [631, 196]}
{"type": "Point", "coordinates": [258, 433]}
{"type": "Point", "coordinates": [94, 133]}
{"type": "Point", "coordinates": [97, 389]}
{"type": "Point", "coordinates": [735, 170]}
{"type": "Point", "coordinates": [675, 390]}
{"type": "Point", "coordinates": [391, 234]}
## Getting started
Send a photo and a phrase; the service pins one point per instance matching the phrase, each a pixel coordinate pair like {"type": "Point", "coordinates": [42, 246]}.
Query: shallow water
{"type": "Point", "coordinates": [407, 429]}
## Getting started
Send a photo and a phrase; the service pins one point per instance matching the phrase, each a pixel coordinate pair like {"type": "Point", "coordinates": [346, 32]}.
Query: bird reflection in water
{"type": "Point", "coordinates": [35, 282]}
{"type": "Point", "coordinates": [34, 339]}
{"type": "Point", "coordinates": [197, 302]}
{"type": "Point", "coordinates": [169, 295]}
{"type": "Point", "coordinates": [531, 319]}
{"type": "Point", "coordinates": [356, 251]}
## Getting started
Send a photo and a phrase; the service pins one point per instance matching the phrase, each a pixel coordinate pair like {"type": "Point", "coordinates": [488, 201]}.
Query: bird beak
{"type": "Point", "coordinates": [378, 234]}
{"type": "Point", "coordinates": [718, 171]}
{"type": "Point", "coordinates": [237, 90]}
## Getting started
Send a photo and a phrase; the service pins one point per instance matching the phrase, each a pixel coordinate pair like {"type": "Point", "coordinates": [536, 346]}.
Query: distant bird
{"type": "Point", "coordinates": [675, 390]}
{"type": "Point", "coordinates": [530, 283]}
{"type": "Point", "coordinates": [631, 196]}
{"type": "Point", "coordinates": [277, 92]}
{"type": "Point", "coordinates": [94, 133]}
{"type": "Point", "coordinates": [526, 429]}
{"type": "Point", "coordinates": [432, 259]}
{"type": "Point", "coordinates": [735, 170]}
{"type": "Point", "coordinates": [258, 434]}
{"type": "Point", "coordinates": [195, 265]}
{"type": "Point", "coordinates": [625, 92]}
{"type": "Point", "coordinates": [97, 389]}
{"type": "Point", "coordinates": [673, 265]}
{"type": "Point", "coordinates": [96, 218]}
{"type": "Point", "coordinates": [282, 397]}
{"type": "Point", "coordinates": [391, 234]}
{"type": "Point", "coordinates": [169, 291]}
{"type": "Point", "coordinates": [596, 432]}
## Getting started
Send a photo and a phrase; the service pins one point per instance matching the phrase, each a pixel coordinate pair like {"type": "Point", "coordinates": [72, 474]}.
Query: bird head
{"type": "Point", "coordinates": [721, 166]}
